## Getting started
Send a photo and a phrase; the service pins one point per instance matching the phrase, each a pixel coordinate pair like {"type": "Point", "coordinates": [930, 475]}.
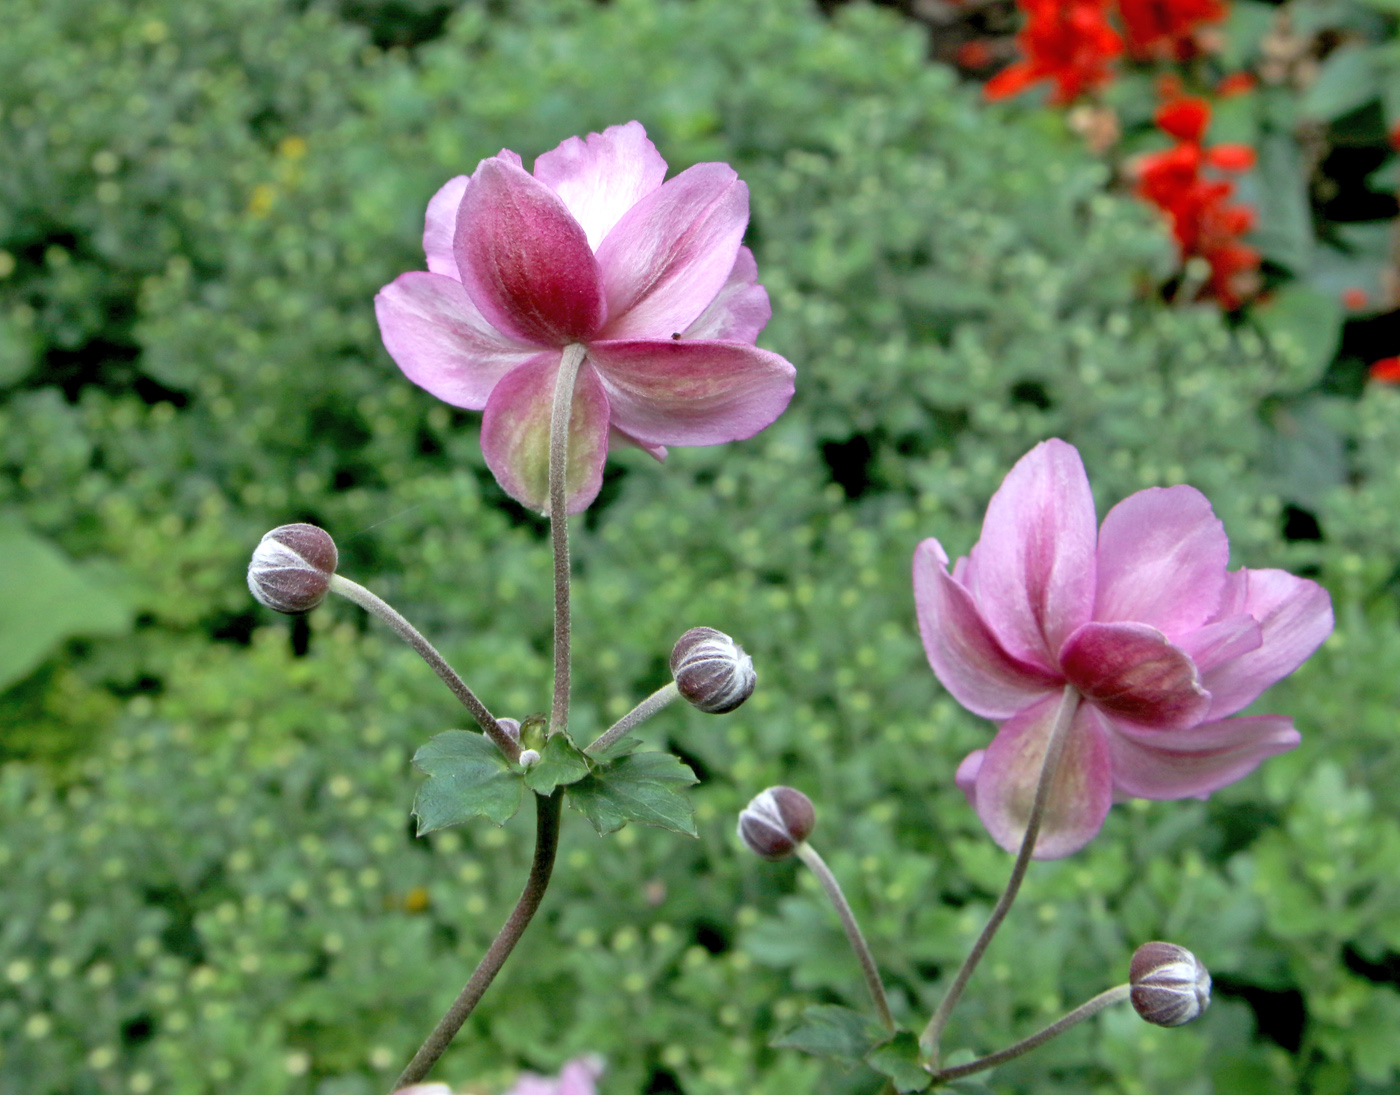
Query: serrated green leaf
{"type": "Point", "coordinates": [645, 787]}
{"type": "Point", "coordinates": [899, 1060]}
{"type": "Point", "coordinates": [560, 763]}
{"type": "Point", "coordinates": [467, 777]}
{"type": "Point", "coordinates": [833, 1032]}
{"type": "Point", "coordinates": [620, 748]}
{"type": "Point", "coordinates": [47, 599]}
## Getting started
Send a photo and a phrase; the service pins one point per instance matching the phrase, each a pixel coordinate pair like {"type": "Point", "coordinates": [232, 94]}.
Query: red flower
{"type": "Point", "coordinates": [1165, 29]}
{"type": "Point", "coordinates": [1067, 41]}
{"type": "Point", "coordinates": [1354, 300]}
{"type": "Point", "coordinates": [1386, 370]}
{"type": "Point", "coordinates": [1203, 221]}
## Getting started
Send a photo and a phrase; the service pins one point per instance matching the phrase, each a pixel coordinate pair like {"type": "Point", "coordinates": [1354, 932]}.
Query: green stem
{"type": "Point", "coordinates": [1054, 750]}
{"type": "Point", "coordinates": [809, 856]}
{"type": "Point", "coordinates": [1078, 1015]}
{"type": "Point", "coordinates": [546, 845]}
{"type": "Point", "coordinates": [559, 527]}
{"type": "Point", "coordinates": [639, 714]}
{"type": "Point", "coordinates": [353, 591]}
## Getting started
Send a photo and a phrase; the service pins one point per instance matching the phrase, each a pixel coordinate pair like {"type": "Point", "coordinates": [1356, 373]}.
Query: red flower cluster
{"type": "Point", "coordinates": [1068, 41]}
{"type": "Point", "coordinates": [1203, 221]}
{"type": "Point", "coordinates": [1073, 43]}
{"type": "Point", "coordinates": [1166, 29]}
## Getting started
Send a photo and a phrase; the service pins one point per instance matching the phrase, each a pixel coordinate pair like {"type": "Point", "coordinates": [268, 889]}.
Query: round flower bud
{"type": "Point", "coordinates": [1169, 985]}
{"type": "Point", "coordinates": [712, 671]}
{"type": "Point", "coordinates": [776, 822]}
{"type": "Point", "coordinates": [511, 728]}
{"type": "Point", "coordinates": [529, 758]}
{"type": "Point", "coordinates": [292, 568]}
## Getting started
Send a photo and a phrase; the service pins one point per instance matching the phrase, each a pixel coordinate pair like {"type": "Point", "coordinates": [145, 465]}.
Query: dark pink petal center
{"type": "Point", "coordinates": [1131, 671]}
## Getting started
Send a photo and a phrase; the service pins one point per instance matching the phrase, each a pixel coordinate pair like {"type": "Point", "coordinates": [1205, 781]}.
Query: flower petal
{"type": "Point", "coordinates": [1222, 641]}
{"type": "Point", "coordinates": [524, 260]}
{"type": "Point", "coordinates": [621, 437]}
{"type": "Point", "coordinates": [673, 392]}
{"type": "Point", "coordinates": [668, 257]}
{"type": "Point", "coordinates": [961, 648]}
{"type": "Point", "coordinates": [1195, 762]}
{"type": "Point", "coordinates": [1161, 560]}
{"type": "Point", "coordinates": [435, 334]}
{"type": "Point", "coordinates": [1133, 672]}
{"type": "Point", "coordinates": [1294, 615]}
{"type": "Point", "coordinates": [603, 175]}
{"type": "Point", "coordinates": [515, 434]}
{"type": "Point", "coordinates": [740, 311]}
{"type": "Point", "coordinates": [1080, 795]}
{"type": "Point", "coordinates": [1032, 571]}
{"type": "Point", "coordinates": [440, 225]}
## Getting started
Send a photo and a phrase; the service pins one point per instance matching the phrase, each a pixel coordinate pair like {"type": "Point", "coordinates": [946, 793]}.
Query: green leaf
{"type": "Point", "coordinates": [1304, 324]}
{"type": "Point", "coordinates": [1285, 232]}
{"type": "Point", "coordinates": [1348, 79]}
{"type": "Point", "coordinates": [833, 1032]}
{"type": "Point", "coordinates": [560, 763]}
{"type": "Point", "coordinates": [620, 748]}
{"type": "Point", "coordinates": [46, 600]}
{"type": "Point", "coordinates": [643, 787]}
{"type": "Point", "coordinates": [899, 1060]}
{"type": "Point", "coordinates": [467, 777]}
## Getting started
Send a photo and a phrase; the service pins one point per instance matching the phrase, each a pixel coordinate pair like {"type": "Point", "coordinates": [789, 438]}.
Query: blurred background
{"type": "Point", "coordinates": [209, 881]}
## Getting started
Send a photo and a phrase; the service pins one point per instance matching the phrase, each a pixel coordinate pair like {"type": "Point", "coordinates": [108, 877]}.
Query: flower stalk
{"type": "Point", "coordinates": [1054, 750]}
{"type": "Point", "coordinates": [662, 697]}
{"type": "Point", "coordinates": [569, 364]}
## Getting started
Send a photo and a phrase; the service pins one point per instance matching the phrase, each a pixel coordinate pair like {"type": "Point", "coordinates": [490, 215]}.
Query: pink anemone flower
{"type": "Point", "coordinates": [1141, 617]}
{"type": "Point", "coordinates": [593, 249]}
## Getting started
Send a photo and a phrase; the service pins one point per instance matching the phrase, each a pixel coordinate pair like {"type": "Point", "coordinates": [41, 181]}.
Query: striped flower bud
{"type": "Point", "coordinates": [712, 671]}
{"type": "Point", "coordinates": [776, 822]}
{"type": "Point", "coordinates": [292, 568]}
{"type": "Point", "coordinates": [1169, 985]}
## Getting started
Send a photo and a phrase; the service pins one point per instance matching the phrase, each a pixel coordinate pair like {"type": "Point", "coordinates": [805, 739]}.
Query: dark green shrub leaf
{"type": "Point", "coordinates": [899, 1060]}
{"type": "Point", "coordinates": [467, 777]}
{"type": "Point", "coordinates": [642, 787]}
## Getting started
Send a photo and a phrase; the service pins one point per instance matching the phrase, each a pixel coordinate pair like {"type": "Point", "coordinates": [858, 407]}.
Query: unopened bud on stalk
{"type": "Point", "coordinates": [511, 728]}
{"type": "Point", "coordinates": [712, 671]}
{"type": "Point", "coordinates": [776, 822]}
{"type": "Point", "coordinates": [292, 568]}
{"type": "Point", "coordinates": [1169, 985]}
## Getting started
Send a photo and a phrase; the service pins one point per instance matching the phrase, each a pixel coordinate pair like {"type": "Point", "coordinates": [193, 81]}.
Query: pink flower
{"type": "Point", "coordinates": [592, 248]}
{"type": "Point", "coordinates": [576, 1078]}
{"type": "Point", "coordinates": [1159, 640]}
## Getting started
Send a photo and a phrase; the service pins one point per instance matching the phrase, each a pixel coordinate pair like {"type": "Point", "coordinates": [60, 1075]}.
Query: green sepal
{"type": "Point", "coordinates": [836, 1033]}
{"type": "Point", "coordinates": [898, 1059]}
{"type": "Point", "coordinates": [560, 763]}
{"type": "Point", "coordinates": [644, 787]}
{"type": "Point", "coordinates": [467, 777]}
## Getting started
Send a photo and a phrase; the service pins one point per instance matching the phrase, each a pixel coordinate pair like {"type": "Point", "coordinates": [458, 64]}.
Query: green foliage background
{"type": "Point", "coordinates": [207, 878]}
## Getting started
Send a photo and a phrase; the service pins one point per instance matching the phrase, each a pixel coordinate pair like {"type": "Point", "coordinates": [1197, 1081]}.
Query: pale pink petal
{"type": "Point", "coordinates": [618, 438]}
{"type": "Point", "coordinates": [1219, 642]}
{"type": "Point", "coordinates": [962, 650]}
{"type": "Point", "coordinates": [524, 260]}
{"type": "Point", "coordinates": [603, 175]}
{"type": "Point", "coordinates": [440, 226]}
{"type": "Point", "coordinates": [1133, 672]}
{"type": "Point", "coordinates": [673, 392]}
{"type": "Point", "coordinates": [435, 334]}
{"type": "Point", "coordinates": [740, 311]}
{"type": "Point", "coordinates": [966, 775]}
{"type": "Point", "coordinates": [672, 252]}
{"type": "Point", "coordinates": [1080, 794]}
{"type": "Point", "coordinates": [1161, 560]}
{"type": "Point", "coordinates": [1295, 617]}
{"type": "Point", "coordinates": [577, 1077]}
{"type": "Point", "coordinates": [1195, 762]}
{"type": "Point", "coordinates": [1032, 571]}
{"type": "Point", "coordinates": [515, 434]}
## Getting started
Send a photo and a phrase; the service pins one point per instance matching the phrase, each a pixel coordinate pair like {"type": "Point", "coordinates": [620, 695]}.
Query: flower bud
{"type": "Point", "coordinates": [1169, 985]}
{"type": "Point", "coordinates": [712, 671]}
{"type": "Point", "coordinates": [529, 758]}
{"type": "Point", "coordinates": [511, 727]}
{"type": "Point", "coordinates": [776, 822]}
{"type": "Point", "coordinates": [292, 568]}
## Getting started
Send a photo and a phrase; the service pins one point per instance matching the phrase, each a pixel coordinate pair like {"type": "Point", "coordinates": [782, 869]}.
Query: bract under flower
{"type": "Point", "coordinates": [1162, 643]}
{"type": "Point", "coordinates": [592, 248]}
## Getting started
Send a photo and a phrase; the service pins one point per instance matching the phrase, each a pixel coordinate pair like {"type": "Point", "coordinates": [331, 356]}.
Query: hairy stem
{"type": "Point", "coordinates": [559, 527]}
{"type": "Point", "coordinates": [1090, 1007]}
{"type": "Point", "coordinates": [639, 714]}
{"type": "Point", "coordinates": [546, 844]}
{"type": "Point", "coordinates": [353, 591]}
{"type": "Point", "coordinates": [809, 856]}
{"type": "Point", "coordinates": [1054, 750]}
